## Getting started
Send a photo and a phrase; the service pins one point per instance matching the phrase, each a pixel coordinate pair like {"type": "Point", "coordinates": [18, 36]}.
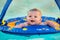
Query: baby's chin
{"type": "Point", "coordinates": [32, 23]}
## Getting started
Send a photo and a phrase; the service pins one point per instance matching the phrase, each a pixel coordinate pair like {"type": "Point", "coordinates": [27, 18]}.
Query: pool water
{"type": "Point", "coordinates": [19, 8]}
{"type": "Point", "coordinates": [4, 36]}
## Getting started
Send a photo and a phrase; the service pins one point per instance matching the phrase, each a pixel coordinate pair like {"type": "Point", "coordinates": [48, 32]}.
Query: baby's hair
{"type": "Point", "coordinates": [35, 9]}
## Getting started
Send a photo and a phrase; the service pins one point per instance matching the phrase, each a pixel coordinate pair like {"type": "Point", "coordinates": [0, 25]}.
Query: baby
{"type": "Point", "coordinates": [34, 18]}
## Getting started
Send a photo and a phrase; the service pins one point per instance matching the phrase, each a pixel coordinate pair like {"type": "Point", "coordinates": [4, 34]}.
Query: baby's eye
{"type": "Point", "coordinates": [35, 16]}
{"type": "Point", "coordinates": [30, 16]}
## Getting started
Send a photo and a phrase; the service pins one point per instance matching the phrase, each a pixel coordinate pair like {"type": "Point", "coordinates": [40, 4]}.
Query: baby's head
{"type": "Point", "coordinates": [34, 16]}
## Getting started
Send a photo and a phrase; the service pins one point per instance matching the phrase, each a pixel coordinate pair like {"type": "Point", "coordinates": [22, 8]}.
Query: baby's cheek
{"type": "Point", "coordinates": [37, 20]}
{"type": "Point", "coordinates": [28, 20]}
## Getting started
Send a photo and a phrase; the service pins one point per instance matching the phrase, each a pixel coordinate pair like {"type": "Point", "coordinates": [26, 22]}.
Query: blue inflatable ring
{"type": "Point", "coordinates": [31, 29]}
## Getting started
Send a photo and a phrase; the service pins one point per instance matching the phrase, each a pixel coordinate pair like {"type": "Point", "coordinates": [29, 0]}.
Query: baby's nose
{"type": "Point", "coordinates": [32, 17]}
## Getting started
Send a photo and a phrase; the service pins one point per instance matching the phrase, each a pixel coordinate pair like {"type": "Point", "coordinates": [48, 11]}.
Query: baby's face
{"type": "Point", "coordinates": [34, 17]}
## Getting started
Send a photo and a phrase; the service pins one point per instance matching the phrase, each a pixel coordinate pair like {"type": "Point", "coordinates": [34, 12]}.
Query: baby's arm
{"type": "Point", "coordinates": [21, 25]}
{"type": "Point", "coordinates": [53, 24]}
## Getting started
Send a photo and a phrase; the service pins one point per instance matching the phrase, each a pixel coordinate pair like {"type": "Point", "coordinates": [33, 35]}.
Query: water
{"type": "Point", "coordinates": [20, 8]}
{"type": "Point", "coordinates": [4, 36]}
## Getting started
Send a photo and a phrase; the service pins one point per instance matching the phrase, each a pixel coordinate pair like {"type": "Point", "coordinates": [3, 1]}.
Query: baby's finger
{"type": "Point", "coordinates": [17, 27]}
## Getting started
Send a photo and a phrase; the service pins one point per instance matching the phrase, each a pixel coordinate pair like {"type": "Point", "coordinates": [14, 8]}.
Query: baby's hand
{"type": "Point", "coordinates": [54, 24]}
{"type": "Point", "coordinates": [19, 26]}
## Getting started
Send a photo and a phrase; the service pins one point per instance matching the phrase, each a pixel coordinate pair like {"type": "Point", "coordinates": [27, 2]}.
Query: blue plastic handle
{"type": "Point", "coordinates": [4, 10]}
{"type": "Point", "coordinates": [58, 3]}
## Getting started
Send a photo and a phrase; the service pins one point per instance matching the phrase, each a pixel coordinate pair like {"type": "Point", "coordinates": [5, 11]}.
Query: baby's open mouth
{"type": "Point", "coordinates": [32, 21]}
